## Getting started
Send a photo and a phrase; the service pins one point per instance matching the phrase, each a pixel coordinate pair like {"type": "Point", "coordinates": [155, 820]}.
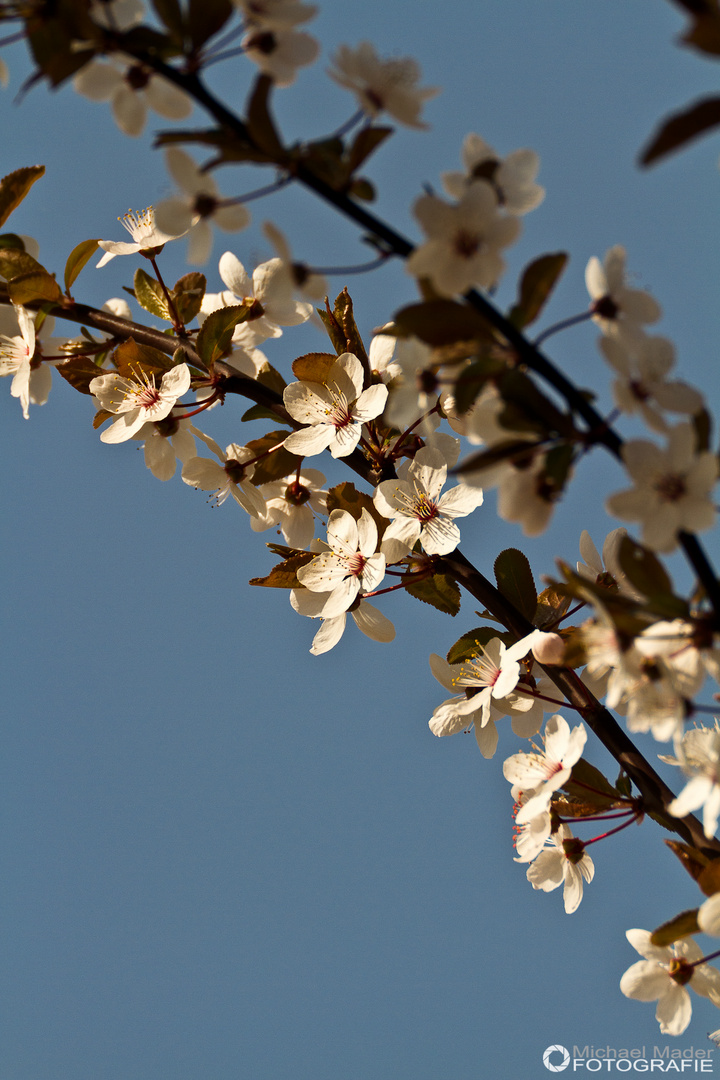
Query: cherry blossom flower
{"type": "Point", "coordinates": [708, 915]}
{"type": "Point", "coordinates": [464, 241]}
{"type": "Point", "coordinates": [21, 347]}
{"type": "Point", "coordinates": [689, 649]}
{"type": "Point", "coordinates": [488, 681]}
{"type": "Point", "coordinates": [563, 861]}
{"type": "Point", "coordinates": [531, 836]}
{"type": "Point", "coordinates": [146, 236]}
{"type": "Point", "coordinates": [605, 570]}
{"type": "Point", "coordinates": [389, 86]}
{"type": "Point", "coordinates": [132, 89]}
{"type": "Point", "coordinates": [270, 292]}
{"type": "Point", "coordinates": [349, 566]}
{"type": "Point", "coordinates": [335, 409]}
{"type": "Point", "coordinates": [418, 510]}
{"type": "Point", "coordinates": [309, 284]}
{"type": "Point", "coordinates": [642, 387]}
{"type": "Point", "coordinates": [546, 771]}
{"type": "Point", "coordinates": [672, 488]}
{"type": "Point", "coordinates": [512, 178]}
{"type": "Point", "coordinates": [279, 53]}
{"type": "Point", "coordinates": [415, 387]}
{"type": "Point", "coordinates": [138, 401]}
{"type": "Point", "coordinates": [165, 443]}
{"type": "Point", "coordinates": [229, 475]}
{"type": "Point", "coordinates": [698, 755]}
{"type": "Point", "coordinates": [526, 496]}
{"type": "Point", "coordinates": [366, 616]}
{"type": "Point", "coordinates": [619, 312]}
{"type": "Point", "coordinates": [292, 503]}
{"type": "Point", "coordinates": [664, 975]}
{"type": "Point", "coordinates": [196, 208]}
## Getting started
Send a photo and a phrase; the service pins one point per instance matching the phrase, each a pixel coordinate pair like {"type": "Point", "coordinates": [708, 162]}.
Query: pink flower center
{"type": "Point", "coordinates": [356, 563]}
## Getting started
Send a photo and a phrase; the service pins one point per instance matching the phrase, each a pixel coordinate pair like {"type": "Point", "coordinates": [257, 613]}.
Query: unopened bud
{"type": "Point", "coordinates": [549, 649]}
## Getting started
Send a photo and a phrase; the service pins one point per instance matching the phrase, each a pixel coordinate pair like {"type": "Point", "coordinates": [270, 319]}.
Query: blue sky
{"type": "Point", "coordinates": [223, 857]}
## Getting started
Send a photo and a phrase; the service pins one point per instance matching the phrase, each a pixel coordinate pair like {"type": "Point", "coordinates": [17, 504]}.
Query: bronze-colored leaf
{"type": "Point", "coordinates": [343, 312]}
{"type": "Point", "coordinates": [313, 367]}
{"type": "Point", "coordinates": [275, 465]}
{"type": "Point", "coordinates": [692, 860]}
{"type": "Point", "coordinates": [132, 359]}
{"type": "Point", "coordinates": [206, 18]}
{"type": "Point", "coordinates": [15, 186]}
{"type": "Point", "coordinates": [284, 575]}
{"type": "Point", "coordinates": [366, 143]}
{"type": "Point", "coordinates": [15, 261]}
{"type": "Point", "coordinates": [682, 128]}
{"type": "Point", "coordinates": [674, 929]}
{"type": "Point", "coordinates": [80, 372]}
{"type": "Point", "coordinates": [35, 285]}
{"type": "Point", "coordinates": [188, 295]}
{"type": "Point", "coordinates": [709, 879]}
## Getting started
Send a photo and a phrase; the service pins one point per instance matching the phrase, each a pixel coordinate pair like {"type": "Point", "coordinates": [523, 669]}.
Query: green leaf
{"type": "Point", "coordinates": [440, 591]}
{"type": "Point", "coordinates": [206, 18]}
{"type": "Point", "coordinates": [12, 240]}
{"type": "Point", "coordinates": [77, 259]}
{"type": "Point", "coordinates": [538, 281]}
{"type": "Point", "coordinates": [441, 322]}
{"type": "Point", "coordinates": [313, 367]}
{"type": "Point", "coordinates": [469, 645]}
{"type": "Point", "coordinates": [36, 285]}
{"type": "Point", "coordinates": [260, 122]}
{"type": "Point", "coordinates": [515, 581]}
{"type": "Point", "coordinates": [682, 128]}
{"type": "Point", "coordinates": [676, 928]}
{"type": "Point", "coordinates": [215, 338]}
{"type": "Point", "coordinates": [149, 294]}
{"type": "Point", "coordinates": [80, 372]}
{"type": "Point", "coordinates": [260, 412]}
{"type": "Point", "coordinates": [188, 295]}
{"type": "Point", "coordinates": [15, 186]}
{"type": "Point", "coordinates": [271, 377]}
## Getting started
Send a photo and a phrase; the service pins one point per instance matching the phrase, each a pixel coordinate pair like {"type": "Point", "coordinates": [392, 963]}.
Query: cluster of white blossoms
{"type": "Point", "coordinates": [672, 485]}
{"type": "Point", "coordinates": [465, 238]}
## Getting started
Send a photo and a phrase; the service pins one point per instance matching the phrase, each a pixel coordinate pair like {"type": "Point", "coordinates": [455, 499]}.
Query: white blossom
{"type": "Point", "coordinates": [138, 400]}
{"type": "Point", "coordinates": [269, 292]}
{"type": "Point", "coordinates": [350, 565]}
{"type": "Point", "coordinates": [464, 241]}
{"type": "Point", "coordinates": [334, 410]}
{"type": "Point", "coordinates": [197, 207]}
{"type": "Point", "coordinates": [619, 312]}
{"type": "Point", "coordinates": [389, 86]}
{"type": "Point", "coordinates": [229, 475]}
{"type": "Point", "coordinates": [672, 489]}
{"type": "Point", "coordinates": [546, 771]}
{"type": "Point", "coordinates": [663, 976]}
{"type": "Point", "coordinates": [562, 862]}
{"type": "Point", "coordinates": [512, 178]}
{"type": "Point", "coordinates": [698, 755]}
{"type": "Point", "coordinates": [146, 236]}
{"type": "Point", "coordinates": [132, 89]}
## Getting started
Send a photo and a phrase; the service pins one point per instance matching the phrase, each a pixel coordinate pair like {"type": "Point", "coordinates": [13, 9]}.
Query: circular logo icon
{"type": "Point", "coordinates": [556, 1049]}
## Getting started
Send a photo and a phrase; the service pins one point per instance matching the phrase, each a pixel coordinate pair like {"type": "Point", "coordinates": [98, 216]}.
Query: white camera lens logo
{"type": "Point", "coordinates": [557, 1049]}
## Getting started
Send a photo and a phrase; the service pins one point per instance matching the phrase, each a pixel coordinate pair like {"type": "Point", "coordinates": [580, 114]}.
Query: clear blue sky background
{"type": "Point", "coordinates": [224, 858]}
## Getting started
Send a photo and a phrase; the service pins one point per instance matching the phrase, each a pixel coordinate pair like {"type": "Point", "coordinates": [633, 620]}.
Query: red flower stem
{"type": "Point", "coordinates": [611, 832]}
